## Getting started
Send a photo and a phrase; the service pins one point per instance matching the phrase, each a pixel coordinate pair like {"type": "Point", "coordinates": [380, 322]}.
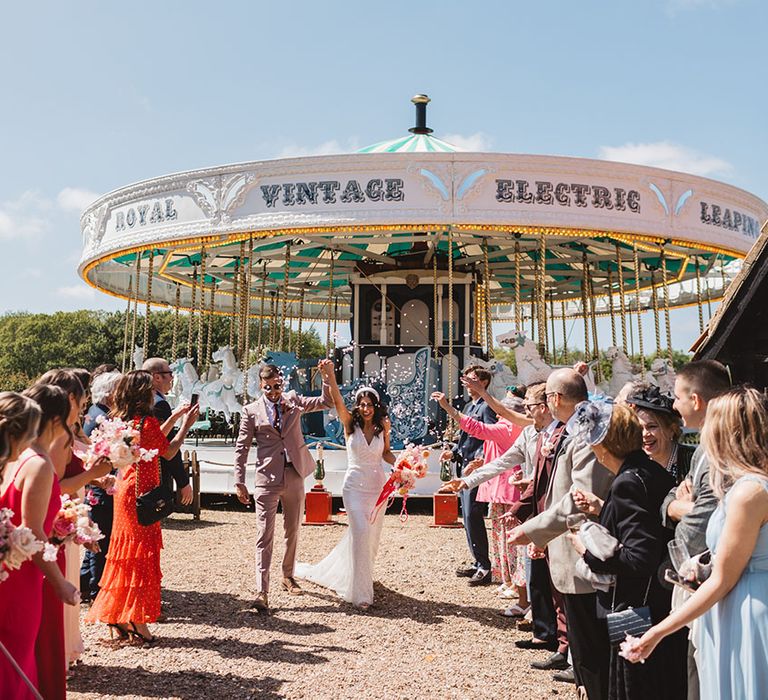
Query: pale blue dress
{"type": "Point", "coordinates": [731, 638]}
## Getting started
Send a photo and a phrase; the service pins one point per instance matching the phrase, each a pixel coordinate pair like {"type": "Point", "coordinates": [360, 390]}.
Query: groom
{"type": "Point", "coordinates": [273, 424]}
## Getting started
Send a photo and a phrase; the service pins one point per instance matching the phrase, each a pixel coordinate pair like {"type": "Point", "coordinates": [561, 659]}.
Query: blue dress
{"type": "Point", "coordinates": [731, 638]}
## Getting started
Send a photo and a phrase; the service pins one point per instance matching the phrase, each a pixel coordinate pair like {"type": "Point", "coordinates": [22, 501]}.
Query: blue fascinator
{"type": "Point", "coordinates": [590, 421]}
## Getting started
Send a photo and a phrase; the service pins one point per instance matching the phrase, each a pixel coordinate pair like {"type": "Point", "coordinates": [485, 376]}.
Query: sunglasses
{"type": "Point", "coordinates": [531, 405]}
{"type": "Point", "coordinates": [272, 387]}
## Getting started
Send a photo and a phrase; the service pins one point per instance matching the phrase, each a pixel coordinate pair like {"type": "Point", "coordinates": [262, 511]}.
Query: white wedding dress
{"type": "Point", "coordinates": [348, 568]}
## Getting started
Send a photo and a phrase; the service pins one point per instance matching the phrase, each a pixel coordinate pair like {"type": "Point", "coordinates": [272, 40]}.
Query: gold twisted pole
{"type": "Point", "coordinates": [127, 322]}
{"type": "Point", "coordinates": [698, 295]}
{"type": "Point", "coordinates": [542, 298]}
{"type": "Point", "coordinates": [667, 324]}
{"type": "Point", "coordinates": [636, 261]}
{"type": "Point", "coordinates": [233, 314]}
{"type": "Point", "coordinates": [190, 327]}
{"type": "Point", "coordinates": [272, 318]}
{"type": "Point", "coordinates": [449, 426]}
{"type": "Point", "coordinates": [622, 300]}
{"type": "Point", "coordinates": [655, 306]}
{"type": "Point", "coordinates": [202, 361]}
{"type": "Point", "coordinates": [299, 342]}
{"type": "Point", "coordinates": [565, 332]}
{"type": "Point", "coordinates": [435, 302]}
{"type": "Point", "coordinates": [209, 324]}
{"type": "Point", "coordinates": [593, 314]}
{"type": "Point", "coordinates": [610, 307]}
{"type": "Point", "coordinates": [487, 294]}
{"type": "Point", "coordinates": [149, 301]}
{"type": "Point", "coordinates": [286, 280]}
{"type": "Point", "coordinates": [585, 302]}
{"type": "Point", "coordinates": [176, 306]}
{"type": "Point", "coordinates": [135, 302]}
{"type": "Point", "coordinates": [518, 315]}
{"type": "Point", "coordinates": [330, 308]}
{"type": "Point", "coordinates": [260, 330]}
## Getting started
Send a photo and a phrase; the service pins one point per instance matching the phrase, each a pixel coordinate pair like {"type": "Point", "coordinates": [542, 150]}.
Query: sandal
{"type": "Point", "coordinates": [123, 634]}
{"type": "Point", "coordinates": [138, 635]}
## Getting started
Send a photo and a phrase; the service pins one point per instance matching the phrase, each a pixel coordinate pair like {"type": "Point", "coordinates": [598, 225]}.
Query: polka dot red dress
{"type": "Point", "coordinates": [130, 585]}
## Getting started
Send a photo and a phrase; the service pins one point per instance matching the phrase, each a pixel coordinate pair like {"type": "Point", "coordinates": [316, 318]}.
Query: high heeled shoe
{"type": "Point", "coordinates": [123, 634]}
{"type": "Point", "coordinates": [142, 638]}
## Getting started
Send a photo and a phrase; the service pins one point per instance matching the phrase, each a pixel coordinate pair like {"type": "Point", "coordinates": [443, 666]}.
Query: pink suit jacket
{"type": "Point", "coordinates": [256, 430]}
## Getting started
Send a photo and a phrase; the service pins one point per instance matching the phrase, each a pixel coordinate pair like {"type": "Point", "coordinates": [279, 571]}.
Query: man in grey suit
{"type": "Point", "coordinates": [688, 507]}
{"type": "Point", "coordinates": [575, 466]}
{"type": "Point", "coordinates": [273, 424]}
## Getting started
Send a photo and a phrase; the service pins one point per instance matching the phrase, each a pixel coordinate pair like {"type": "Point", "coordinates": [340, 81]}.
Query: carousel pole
{"type": "Point", "coordinates": [149, 301]}
{"type": "Point", "coordinates": [565, 332]}
{"type": "Point", "coordinates": [622, 300]}
{"type": "Point", "coordinates": [241, 310]}
{"type": "Point", "coordinates": [335, 320]}
{"type": "Point", "coordinates": [202, 362]}
{"type": "Point", "coordinates": [175, 322]}
{"type": "Point", "coordinates": [272, 318]}
{"type": "Point", "coordinates": [610, 307]}
{"type": "Point", "coordinates": [209, 324]}
{"type": "Point", "coordinates": [585, 302]}
{"type": "Point", "coordinates": [667, 323]}
{"type": "Point", "coordinates": [135, 302]}
{"type": "Point", "coordinates": [518, 314]}
{"type": "Point", "coordinates": [593, 314]}
{"type": "Point", "coordinates": [535, 328]}
{"type": "Point", "coordinates": [247, 358]}
{"type": "Point", "coordinates": [435, 302]}
{"type": "Point", "coordinates": [542, 300]}
{"type": "Point", "coordinates": [301, 318]}
{"type": "Point", "coordinates": [259, 333]}
{"type": "Point", "coordinates": [698, 295]}
{"type": "Point", "coordinates": [190, 327]}
{"type": "Point", "coordinates": [552, 326]}
{"type": "Point", "coordinates": [637, 307]}
{"type": "Point", "coordinates": [655, 306]}
{"type": "Point", "coordinates": [330, 308]}
{"type": "Point", "coordinates": [286, 280]}
{"type": "Point", "coordinates": [233, 314]}
{"type": "Point", "coordinates": [487, 293]}
{"type": "Point", "coordinates": [127, 322]}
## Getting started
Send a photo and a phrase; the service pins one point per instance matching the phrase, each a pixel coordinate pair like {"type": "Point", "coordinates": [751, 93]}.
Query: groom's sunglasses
{"type": "Point", "coordinates": [273, 387]}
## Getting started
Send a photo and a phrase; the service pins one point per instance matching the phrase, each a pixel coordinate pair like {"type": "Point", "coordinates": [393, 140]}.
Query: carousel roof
{"type": "Point", "coordinates": [415, 143]}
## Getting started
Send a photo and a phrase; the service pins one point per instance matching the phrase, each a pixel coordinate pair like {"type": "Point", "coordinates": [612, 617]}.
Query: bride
{"type": "Point", "coordinates": [348, 568]}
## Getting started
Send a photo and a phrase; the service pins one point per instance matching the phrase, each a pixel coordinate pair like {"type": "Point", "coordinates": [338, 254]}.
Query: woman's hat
{"type": "Point", "coordinates": [652, 399]}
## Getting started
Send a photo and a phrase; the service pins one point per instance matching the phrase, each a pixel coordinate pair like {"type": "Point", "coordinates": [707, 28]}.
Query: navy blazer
{"type": "Point", "coordinates": [631, 514]}
{"type": "Point", "coordinates": [469, 447]}
{"type": "Point", "coordinates": [172, 469]}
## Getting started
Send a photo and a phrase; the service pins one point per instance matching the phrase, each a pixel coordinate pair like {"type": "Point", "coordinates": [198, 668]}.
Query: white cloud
{"type": "Point", "coordinates": [474, 142]}
{"type": "Point", "coordinates": [76, 199]}
{"type": "Point", "coordinates": [24, 217]}
{"type": "Point", "coordinates": [327, 148]}
{"type": "Point", "coordinates": [665, 154]}
{"type": "Point", "coordinates": [77, 291]}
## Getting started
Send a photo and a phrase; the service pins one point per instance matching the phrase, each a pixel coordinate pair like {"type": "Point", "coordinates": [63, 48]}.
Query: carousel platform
{"type": "Point", "coordinates": [216, 459]}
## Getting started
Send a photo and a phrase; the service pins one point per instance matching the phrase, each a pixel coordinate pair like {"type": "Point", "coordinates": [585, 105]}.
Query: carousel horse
{"type": "Point", "coordinates": [663, 374]}
{"type": "Point", "coordinates": [530, 367]}
{"type": "Point", "coordinates": [501, 376]}
{"type": "Point", "coordinates": [186, 375]}
{"type": "Point", "coordinates": [621, 370]}
{"type": "Point", "coordinates": [138, 357]}
{"type": "Point", "coordinates": [220, 393]}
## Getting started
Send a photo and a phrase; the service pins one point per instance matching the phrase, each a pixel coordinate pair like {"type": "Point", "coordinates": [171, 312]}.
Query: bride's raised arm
{"type": "Point", "coordinates": [388, 456]}
{"type": "Point", "coordinates": [328, 371]}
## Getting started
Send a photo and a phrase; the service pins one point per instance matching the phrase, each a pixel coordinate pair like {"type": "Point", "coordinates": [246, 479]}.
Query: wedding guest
{"type": "Point", "coordinates": [473, 513]}
{"type": "Point", "coordinates": [31, 490]}
{"type": "Point", "coordinates": [507, 566]}
{"type": "Point", "coordinates": [688, 507]}
{"type": "Point", "coordinates": [173, 469]}
{"type": "Point", "coordinates": [101, 501]}
{"type": "Point", "coordinates": [731, 632]}
{"type": "Point", "coordinates": [630, 513]}
{"type": "Point", "coordinates": [130, 587]}
{"type": "Point", "coordinates": [60, 642]}
{"type": "Point", "coordinates": [537, 448]}
{"type": "Point", "coordinates": [575, 466]}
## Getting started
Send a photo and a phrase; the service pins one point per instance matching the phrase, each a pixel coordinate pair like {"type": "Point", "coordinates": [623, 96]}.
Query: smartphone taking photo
{"type": "Point", "coordinates": [195, 398]}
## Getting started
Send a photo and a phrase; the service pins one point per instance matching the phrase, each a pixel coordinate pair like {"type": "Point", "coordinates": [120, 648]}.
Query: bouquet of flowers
{"type": "Point", "coordinates": [411, 464]}
{"type": "Point", "coordinates": [17, 544]}
{"type": "Point", "coordinates": [119, 442]}
{"type": "Point", "coordinates": [72, 523]}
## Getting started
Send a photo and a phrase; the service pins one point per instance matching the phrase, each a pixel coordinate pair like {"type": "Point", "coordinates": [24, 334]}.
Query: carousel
{"type": "Point", "coordinates": [420, 248]}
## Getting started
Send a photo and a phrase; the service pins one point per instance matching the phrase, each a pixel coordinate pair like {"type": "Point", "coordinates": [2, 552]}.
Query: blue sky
{"type": "Point", "coordinates": [97, 95]}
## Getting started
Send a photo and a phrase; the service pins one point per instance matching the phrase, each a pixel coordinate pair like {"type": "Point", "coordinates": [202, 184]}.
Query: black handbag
{"type": "Point", "coordinates": [632, 621]}
{"type": "Point", "coordinates": [156, 504]}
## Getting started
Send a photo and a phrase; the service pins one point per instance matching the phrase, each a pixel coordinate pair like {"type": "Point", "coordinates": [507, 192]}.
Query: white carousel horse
{"type": "Point", "coordinates": [663, 374]}
{"type": "Point", "coordinates": [185, 374]}
{"type": "Point", "coordinates": [621, 370]}
{"type": "Point", "coordinates": [220, 394]}
{"type": "Point", "coordinates": [530, 367]}
{"type": "Point", "coordinates": [501, 376]}
{"type": "Point", "coordinates": [138, 357]}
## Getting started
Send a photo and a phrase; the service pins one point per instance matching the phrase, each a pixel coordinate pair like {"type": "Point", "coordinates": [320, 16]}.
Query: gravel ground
{"type": "Point", "coordinates": [427, 632]}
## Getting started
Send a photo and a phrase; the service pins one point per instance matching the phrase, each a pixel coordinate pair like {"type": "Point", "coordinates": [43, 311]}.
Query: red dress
{"type": "Point", "coordinates": [130, 585]}
{"type": "Point", "coordinates": [21, 599]}
{"type": "Point", "coordinates": [50, 648]}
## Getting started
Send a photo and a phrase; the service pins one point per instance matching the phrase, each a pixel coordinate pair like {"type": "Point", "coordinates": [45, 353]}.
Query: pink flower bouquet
{"type": "Point", "coordinates": [17, 544]}
{"type": "Point", "coordinates": [118, 441]}
{"type": "Point", "coordinates": [73, 523]}
{"type": "Point", "coordinates": [411, 464]}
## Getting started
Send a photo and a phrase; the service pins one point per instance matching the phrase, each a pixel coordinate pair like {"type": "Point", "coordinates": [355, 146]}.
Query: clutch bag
{"type": "Point", "coordinates": [632, 621]}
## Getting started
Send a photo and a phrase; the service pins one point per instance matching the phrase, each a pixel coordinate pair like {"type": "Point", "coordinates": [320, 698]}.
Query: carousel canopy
{"type": "Point", "coordinates": [295, 233]}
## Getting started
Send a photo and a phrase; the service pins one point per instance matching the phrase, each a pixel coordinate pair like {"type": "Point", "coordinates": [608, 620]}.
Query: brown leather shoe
{"type": "Point", "coordinates": [290, 585]}
{"type": "Point", "coordinates": [260, 602]}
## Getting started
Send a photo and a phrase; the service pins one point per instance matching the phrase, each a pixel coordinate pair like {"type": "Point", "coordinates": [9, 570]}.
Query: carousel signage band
{"type": "Point", "coordinates": [717, 215]}
{"type": "Point", "coordinates": [567, 194]}
{"type": "Point", "coordinates": [143, 213]}
{"type": "Point", "coordinates": [325, 192]}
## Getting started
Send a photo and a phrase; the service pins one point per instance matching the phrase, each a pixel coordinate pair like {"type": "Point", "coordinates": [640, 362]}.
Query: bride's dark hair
{"type": "Point", "coordinates": [379, 411]}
